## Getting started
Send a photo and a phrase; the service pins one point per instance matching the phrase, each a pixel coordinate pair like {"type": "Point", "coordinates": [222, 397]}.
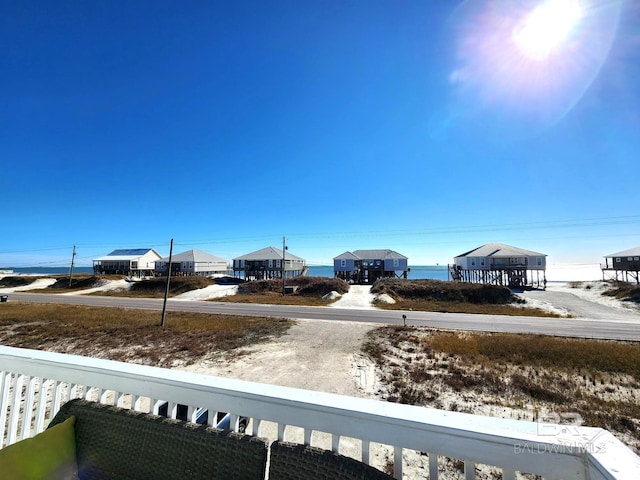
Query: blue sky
{"type": "Point", "coordinates": [427, 127]}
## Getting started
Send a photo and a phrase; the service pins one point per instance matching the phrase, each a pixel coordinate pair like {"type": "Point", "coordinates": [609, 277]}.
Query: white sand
{"type": "Point", "coordinates": [358, 296]}
{"type": "Point", "coordinates": [37, 284]}
{"type": "Point", "coordinates": [212, 291]}
{"type": "Point", "coordinates": [105, 286]}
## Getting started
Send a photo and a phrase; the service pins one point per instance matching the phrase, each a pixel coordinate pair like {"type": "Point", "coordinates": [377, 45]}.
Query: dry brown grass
{"type": "Point", "coordinates": [624, 291]}
{"type": "Point", "coordinates": [463, 307]}
{"type": "Point", "coordinates": [131, 335]}
{"type": "Point", "coordinates": [453, 297]}
{"type": "Point", "coordinates": [275, 299]}
{"type": "Point", "coordinates": [513, 375]}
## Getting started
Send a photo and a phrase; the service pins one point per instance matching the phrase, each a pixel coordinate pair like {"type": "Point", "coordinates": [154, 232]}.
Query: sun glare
{"type": "Point", "coordinates": [545, 28]}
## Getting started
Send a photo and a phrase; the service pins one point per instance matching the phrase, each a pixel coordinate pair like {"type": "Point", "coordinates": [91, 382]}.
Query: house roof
{"type": "Point", "coordinates": [269, 253]}
{"type": "Point", "coordinates": [128, 254]}
{"type": "Point", "coordinates": [632, 252]}
{"type": "Point", "coordinates": [383, 254]}
{"type": "Point", "coordinates": [500, 250]}
{"type": "Point", "coordinates": [195, 256]}
{"type": "Point", "coordinates": [346, 256]}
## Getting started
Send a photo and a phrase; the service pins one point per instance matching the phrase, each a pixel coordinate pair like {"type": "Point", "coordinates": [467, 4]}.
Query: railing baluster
{"type": "Point", "coordinates": [42, 404]}
{"type": "Point", "coordinates": [73, 391]}
{"type": "Point", "coordinates": [433, 466]}
{"type": "Point", "coordinates": [212, 417]}
{"type": "Point", "coordinates": [56, 398]}
{"type": "Point", "coordinates": [469, 470]}
{"type": "Point", "coordinates": [5, 386]}
{"type": "Point", "coordinates": [5, 381]}
{"type": "Point", "coordinates": [234, 422]}
{"type": "Point", "coordinates": [365, 453]}
{"type": "Point", "coordinates": [255, 428]}
{"type": "Point", "coordinates": [508, 474]}
{"type": "Point", "coordinates": [397, 462]}
{"type": "Point", "coordinates": [27, 415]}
{"type": "Point", "coordinates": [191, 414]}
{"type": "Point", "coordinates": [14, 414]}
{"type": "Point", "coordinates": [335, 443]}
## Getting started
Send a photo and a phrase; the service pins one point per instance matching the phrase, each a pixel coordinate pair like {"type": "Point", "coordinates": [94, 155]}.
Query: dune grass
{"type": "Point", "coordinates": [529, 374]}
{"type": "Point", "coordinates": [131, 335]}
{"type": "Point", "coordinates": [453, 297]}
{"type": "Point", "coordinates": [624, 291]}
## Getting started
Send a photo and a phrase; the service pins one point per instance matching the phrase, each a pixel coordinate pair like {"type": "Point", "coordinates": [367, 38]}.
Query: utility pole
{"type": "Point", "coordinates": [284, 248]}
{"type": "Point", "coordinates": [73, 256]}
{"type": "Point", "coordinates": [166, 290]}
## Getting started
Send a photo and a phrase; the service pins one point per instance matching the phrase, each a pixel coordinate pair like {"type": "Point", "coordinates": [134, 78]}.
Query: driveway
{"type": "Point", "coordinates": [583, 303]}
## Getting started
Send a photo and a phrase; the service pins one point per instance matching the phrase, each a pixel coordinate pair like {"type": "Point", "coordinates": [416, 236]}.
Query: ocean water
{"type": "Point", "coordinates": [432, 272]}
{"type": "Point", "coordinates": [435, 272]}
{"type": "Point", "coordinates": [47, 270]}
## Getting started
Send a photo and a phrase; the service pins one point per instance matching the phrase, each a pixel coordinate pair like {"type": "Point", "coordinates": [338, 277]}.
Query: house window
{"type": "Point", "coordinates": [539, 261]}
{"type": "Point", "coordinates": [343, 263]}
{"type": "Point", "coordinates": [270, 263]}
{"type": "Point", "coordinates": [618, 259]}
{"type": "Point", "coordinates": [629, 258]}
{"type": "Point", "coordinates": [635, 259]}
{"type": "Point", "coordinates": [473, 262]}
{"type": "Point", "coordinates": [134, 265]}
{"type": "Point", "coordinates": [482, 262]}
{"type": "Point", "coordinates": [396, 262]}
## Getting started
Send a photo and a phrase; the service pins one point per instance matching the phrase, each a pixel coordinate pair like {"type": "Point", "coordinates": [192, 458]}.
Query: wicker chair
{"type": "Point", "coordinates": [114, 443]}
{"type": "Point", "coordinates": [290, 461]}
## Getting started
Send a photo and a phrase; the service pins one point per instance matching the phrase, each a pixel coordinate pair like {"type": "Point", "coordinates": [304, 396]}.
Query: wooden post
{"type": "Point", "coordinates": [166, 290]}
{"type": "Point", "coordinates": [73, 256]}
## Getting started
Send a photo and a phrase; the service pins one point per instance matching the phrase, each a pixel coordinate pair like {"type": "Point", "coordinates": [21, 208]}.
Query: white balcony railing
{"type": "Point", "coordinates": [33, 384]}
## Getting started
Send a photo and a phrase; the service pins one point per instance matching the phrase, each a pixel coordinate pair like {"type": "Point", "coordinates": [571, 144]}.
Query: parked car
{"type": "Point", "coordinates": [223, 420]}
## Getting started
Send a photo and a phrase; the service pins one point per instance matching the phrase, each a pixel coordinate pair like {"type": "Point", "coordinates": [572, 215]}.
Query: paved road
{"type": "Point", "coordinates": [572, 327]}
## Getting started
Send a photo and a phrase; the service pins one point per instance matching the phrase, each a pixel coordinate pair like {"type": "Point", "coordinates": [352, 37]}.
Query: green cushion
{"type": "Point", "coordinates": [49, 455]}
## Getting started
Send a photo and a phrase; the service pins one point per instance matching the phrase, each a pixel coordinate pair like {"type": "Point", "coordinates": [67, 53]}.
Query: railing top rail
{"type": "Point", "coordinates": [518, 444]}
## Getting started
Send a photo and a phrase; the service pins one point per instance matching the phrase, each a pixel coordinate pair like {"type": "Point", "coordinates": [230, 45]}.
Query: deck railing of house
{"type": "Point", "coordinates": [33, 385]}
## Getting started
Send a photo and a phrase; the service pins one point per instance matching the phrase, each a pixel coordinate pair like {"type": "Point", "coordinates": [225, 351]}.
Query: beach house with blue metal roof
{"type": "Point", "coordinates": [133, 262]}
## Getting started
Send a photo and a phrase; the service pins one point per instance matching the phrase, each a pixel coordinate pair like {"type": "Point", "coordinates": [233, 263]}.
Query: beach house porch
{"type": "Point", "coordinates": [401, 438]}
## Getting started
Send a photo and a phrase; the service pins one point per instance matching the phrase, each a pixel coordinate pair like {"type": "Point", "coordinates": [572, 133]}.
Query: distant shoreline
{"type": "Point", "coordinates": [556, 273]}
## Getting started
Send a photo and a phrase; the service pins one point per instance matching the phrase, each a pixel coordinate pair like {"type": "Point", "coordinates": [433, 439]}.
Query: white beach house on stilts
{"type": "Point", "coordinates": [500, 264]}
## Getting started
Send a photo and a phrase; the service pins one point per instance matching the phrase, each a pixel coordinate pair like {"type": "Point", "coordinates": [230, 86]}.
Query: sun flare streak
{"type": "Point", "coordinates": [521, 66]}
